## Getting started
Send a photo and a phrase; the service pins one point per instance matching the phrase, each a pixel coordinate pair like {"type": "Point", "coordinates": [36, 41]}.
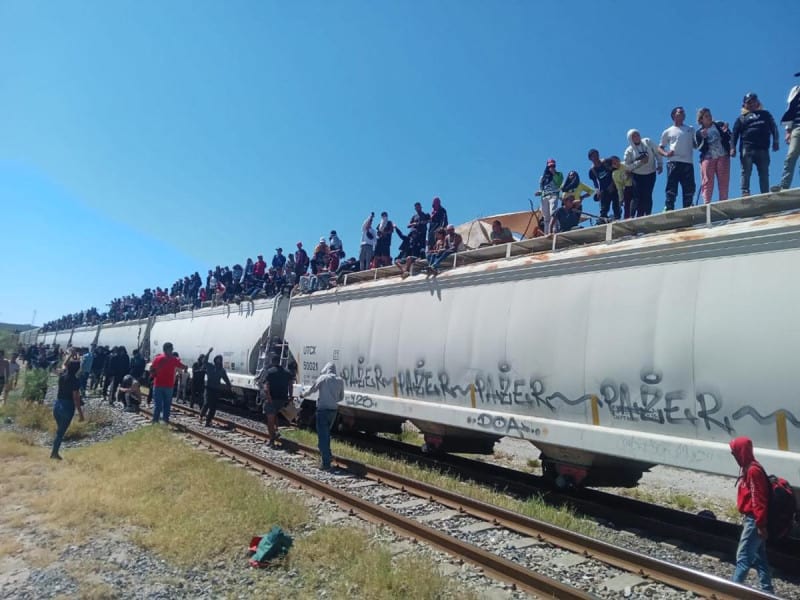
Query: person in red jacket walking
{"type": "Point", "coordinates": [752, 500]}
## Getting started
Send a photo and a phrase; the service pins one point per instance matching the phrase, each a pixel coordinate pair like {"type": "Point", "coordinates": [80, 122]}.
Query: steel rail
{"type": "Point", "coordinates": [709, 586]}
{"type": "Point", "coordinates": [495, 566]}
{"type": "Point", "coordinates": [709, 534]}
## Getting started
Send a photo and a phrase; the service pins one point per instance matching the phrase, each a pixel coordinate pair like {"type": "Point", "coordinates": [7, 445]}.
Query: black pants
{"type": "Point", "coordinates": [196, 395]}
{"type": "Point", "coordinates": [683, 173]}
{"type": "Point", "coordinates": [643, 194]}
{"type": "Point", "coordinates": [210, 407]}
{"type": "Point", "coordinates": [610, 200]}
{"type": "Point", "coordinates": [760, 158]}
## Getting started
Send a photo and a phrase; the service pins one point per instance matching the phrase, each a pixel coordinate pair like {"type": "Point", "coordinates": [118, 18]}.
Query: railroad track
{"type": "Point", "coordinates": [374, 493]}
{"type": "Point", "coordinates": [702, 533]}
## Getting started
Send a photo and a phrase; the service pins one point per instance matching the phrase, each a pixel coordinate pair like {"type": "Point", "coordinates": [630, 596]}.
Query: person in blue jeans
{"type": "Point", "coordinates": [68, 400]}
{"type": "Point", "coordinates": [162, 372]}
{"type": "Point", "coordinates": [752, 500]}
{"type": "Point", "coordinates": [331, 391]}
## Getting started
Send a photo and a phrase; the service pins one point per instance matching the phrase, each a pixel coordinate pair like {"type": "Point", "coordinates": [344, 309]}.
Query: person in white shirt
{"type": "Point", "coordinates": [368, 239]}
{"type": "Point", "coordinates": [677, 145]}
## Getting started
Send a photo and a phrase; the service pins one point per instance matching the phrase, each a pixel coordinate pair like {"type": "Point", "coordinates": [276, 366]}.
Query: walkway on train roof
{"type": "Point", "coordinates": [704, 215]}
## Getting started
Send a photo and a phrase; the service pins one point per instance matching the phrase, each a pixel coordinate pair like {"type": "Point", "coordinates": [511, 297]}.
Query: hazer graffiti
{"type": "Point", "coordinates": [647, 401]}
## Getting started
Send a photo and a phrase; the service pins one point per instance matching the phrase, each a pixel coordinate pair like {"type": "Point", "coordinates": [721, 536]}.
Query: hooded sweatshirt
{"type": "Point", "coordinates": [752, 497]}
{"type": "Point", "coordinates": [641, 158]}
{"type": "Point", "coordinates": [330, 387]}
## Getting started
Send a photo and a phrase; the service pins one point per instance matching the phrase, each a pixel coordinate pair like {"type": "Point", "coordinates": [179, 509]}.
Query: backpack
{"type": "Point", "coordinates": [781, 508]}
{"type": "Point", "coordinates": [269, 546]}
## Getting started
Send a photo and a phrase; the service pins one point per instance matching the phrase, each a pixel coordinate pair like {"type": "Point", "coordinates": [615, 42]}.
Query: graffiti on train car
{"type": "Point", "coordinates": [648, 400]}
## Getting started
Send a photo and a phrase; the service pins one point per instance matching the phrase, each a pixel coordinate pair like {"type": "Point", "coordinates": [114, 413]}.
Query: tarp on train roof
{"type": "Point", "coordinates": [478, 232]}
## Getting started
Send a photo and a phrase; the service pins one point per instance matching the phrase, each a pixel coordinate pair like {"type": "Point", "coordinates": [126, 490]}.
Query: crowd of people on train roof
{"type": "Point", "coordinates": [622, 187]}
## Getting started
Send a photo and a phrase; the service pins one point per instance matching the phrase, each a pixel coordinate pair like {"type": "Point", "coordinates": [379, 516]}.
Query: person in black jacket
{"type": "Point", "coordinates": [215, 375]}
{"type": "Point", "coordinates": [751, 133]}
{"type": "Point", "coordinates": [713, 140]}
{"type": "Point", "coordinates": [198, 379]}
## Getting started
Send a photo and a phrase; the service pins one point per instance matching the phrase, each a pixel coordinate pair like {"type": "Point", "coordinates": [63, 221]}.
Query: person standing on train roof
{"type": "Point", "coordinates": [162, 372]}
{"type": "Point", "coordinates": [419, 222]}
{"type": "Point", "coordinates": [752, 132]}
{"type": "Point", "coordinates": [278, 260]}
{"type": "Point", "coordinates": [791, 122]}
{"type": "Point", "coordinates": [368, 241]}
{"type": "Point", "coordinates": [644, 162]}
{"type": "Point", "coordinates": [677, 145]}
{"type": "Point", "coordinates": [331, 392]}
{"type": "Point", "coordinates": [277, 381]}
{"type": "Point", "coordinates": [752, 500]}
{"type": "Point", "coordinates": [549, 188]}
{"type": "Point", "coordinates": [438, 220]}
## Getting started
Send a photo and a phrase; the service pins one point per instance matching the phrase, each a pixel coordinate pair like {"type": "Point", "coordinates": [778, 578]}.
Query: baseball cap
{"type": "Point", "coordinates": [749, 96]}
{"type": "Point", "coordinates": [551, 161]}
{"type": "Point", "coordinates": [278, 249]}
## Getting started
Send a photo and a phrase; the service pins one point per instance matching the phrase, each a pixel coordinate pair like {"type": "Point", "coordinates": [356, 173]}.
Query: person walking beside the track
{"type": "Point", "coordinates": [162, 372]}
{"type": "Point", "coordinates": [277, 381]}
{"type": "Point", "coordinates": [215, 375]}
{"type": "Point", "coordinates": [5, 372]}
{"type": "Point", "coordinates": [198, 379]}
{"type": "Point", "coordinates": [752, 500]}
{"type": "Point", "coordinates": [331, 391]}
{"type": "Point", "coordinates": [68, 400]}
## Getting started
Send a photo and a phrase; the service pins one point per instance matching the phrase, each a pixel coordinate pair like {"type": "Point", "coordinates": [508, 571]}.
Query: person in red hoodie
{"type": "Point", "coordinates": [752, 500]}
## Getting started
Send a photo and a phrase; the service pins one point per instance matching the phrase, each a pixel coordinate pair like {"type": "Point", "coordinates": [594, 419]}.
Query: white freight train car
{"type": "Point", "coordinates": [651, 349]}
{"type": "Point", "coordinates": [237, 332]}
{"type": "Point", "coordinates": [132, 335]}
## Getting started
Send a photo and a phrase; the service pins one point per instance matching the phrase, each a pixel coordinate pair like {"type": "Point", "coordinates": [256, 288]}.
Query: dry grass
{"type": "Point", "coordinates": [39, 417]}
{"type": "Point", "coordinates": [532, 507]}
{"type": "Point", "coordinates": [185, 504]}
{"type": "Point", "coordinates": [193, 509]}
{"type": "Point", "coordinates": [347, 563]}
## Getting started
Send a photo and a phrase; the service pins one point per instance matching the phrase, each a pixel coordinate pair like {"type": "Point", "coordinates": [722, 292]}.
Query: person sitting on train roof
{"type": "Point", "coordinates": [566, 217]}
{"type": "Point", "coordinates": [436, 254]}
{"type": "Point", "coordinates": [411, 248]}
{"type": "Point", "coordinates": [500, 234]}
{"type": "Point", "coordinates": [320, 257]}
{"type": "Point", "coordinates": [579, 190]}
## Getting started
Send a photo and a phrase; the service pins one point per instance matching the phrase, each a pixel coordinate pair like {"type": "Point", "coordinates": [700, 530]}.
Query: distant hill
{"type": "Point", "coordinates": [12, 327]}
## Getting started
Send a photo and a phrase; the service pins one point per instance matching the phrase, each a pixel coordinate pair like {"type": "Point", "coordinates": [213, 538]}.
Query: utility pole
{"type": "Point", "coordinates": [33, 318]}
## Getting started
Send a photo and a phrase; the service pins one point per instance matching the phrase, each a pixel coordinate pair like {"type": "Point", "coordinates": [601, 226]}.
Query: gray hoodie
{"type": "Point", "coordinates": [330, 387]}
{"type": "Point", "coordinates": [642, 158]}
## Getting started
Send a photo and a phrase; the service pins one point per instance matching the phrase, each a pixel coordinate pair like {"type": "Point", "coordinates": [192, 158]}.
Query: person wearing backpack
{"type": "Point", "coordinates": [752, 500]}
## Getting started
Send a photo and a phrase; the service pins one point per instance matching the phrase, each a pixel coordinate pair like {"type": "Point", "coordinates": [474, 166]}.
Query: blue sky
{"type": "Point", "coordinates": [141, 141]}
